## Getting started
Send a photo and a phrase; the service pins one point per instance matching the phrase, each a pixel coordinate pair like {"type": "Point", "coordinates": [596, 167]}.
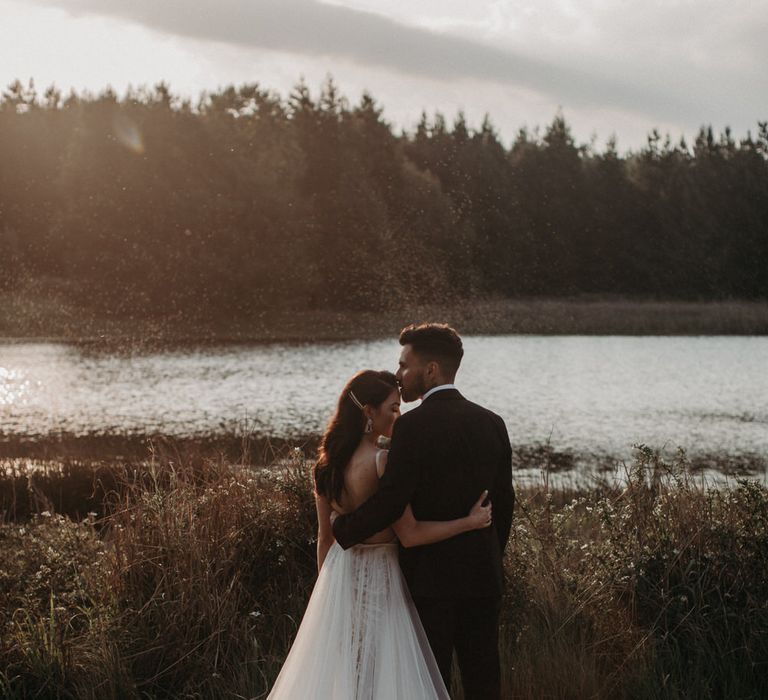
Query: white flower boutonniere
{"type": "Point", "coordinates": [383, 442]}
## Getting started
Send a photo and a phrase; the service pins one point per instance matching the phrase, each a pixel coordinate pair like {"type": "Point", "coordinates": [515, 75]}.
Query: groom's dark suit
{"type": "Point", "coordinates": [443, 455]}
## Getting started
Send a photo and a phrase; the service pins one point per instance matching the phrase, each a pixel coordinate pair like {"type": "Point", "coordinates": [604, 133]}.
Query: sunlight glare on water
{"type": "Point", "coordinates": [588, 394]}
{"type": "Point", "coordinates": [14, 387]}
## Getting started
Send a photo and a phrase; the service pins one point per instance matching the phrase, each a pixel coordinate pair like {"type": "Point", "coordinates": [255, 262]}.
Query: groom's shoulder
{"type": "Point", "coordinates": [409, 425]}
{"type": "Point", "coordinates": [474, 407]}
{"type": "Point", "coordinates": [484, 413]}
{"type": "Point", "coordinates": [419, 419]}
{"type": "Point", "coordinates": [488, 412]}
{"type": "Point", "coordinates": [462, 407]}
{"type": "Point", "coordinates": [412, 417]}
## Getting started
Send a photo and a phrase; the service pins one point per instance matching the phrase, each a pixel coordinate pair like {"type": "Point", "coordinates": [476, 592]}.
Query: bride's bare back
{"type": "Point", "coordinates": [361, 481]}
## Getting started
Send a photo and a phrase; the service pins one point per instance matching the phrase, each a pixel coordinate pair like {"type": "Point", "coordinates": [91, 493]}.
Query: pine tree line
{"type": "Point", "coordinates": [246, 200]}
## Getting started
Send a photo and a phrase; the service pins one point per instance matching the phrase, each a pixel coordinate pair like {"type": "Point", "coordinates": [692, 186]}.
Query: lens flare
{"type": "Point", "coordinates": [128, 134]}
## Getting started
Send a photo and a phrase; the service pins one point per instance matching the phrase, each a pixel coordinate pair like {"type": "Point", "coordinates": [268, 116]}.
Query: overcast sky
{"type": "Point", "coordinates": [613, 66]}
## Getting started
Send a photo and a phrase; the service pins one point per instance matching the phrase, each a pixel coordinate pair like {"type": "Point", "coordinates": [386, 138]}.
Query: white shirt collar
{"type": "Point", "coordinates": [438, 388]}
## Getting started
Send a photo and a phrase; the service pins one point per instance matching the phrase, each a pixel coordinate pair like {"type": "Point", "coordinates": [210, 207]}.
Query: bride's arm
{"type": "Point", "coordinates": [412, 532]}
{"type": "Point", "coordinates": [324, 533]}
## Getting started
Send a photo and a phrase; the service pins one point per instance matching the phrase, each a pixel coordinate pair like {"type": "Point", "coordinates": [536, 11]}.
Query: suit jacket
{"type": "Point", "coordinates": [444, 453]}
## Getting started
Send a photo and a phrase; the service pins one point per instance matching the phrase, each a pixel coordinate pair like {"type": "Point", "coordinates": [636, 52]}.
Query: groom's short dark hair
{"type": "Point", "coordinates": [436, 342]}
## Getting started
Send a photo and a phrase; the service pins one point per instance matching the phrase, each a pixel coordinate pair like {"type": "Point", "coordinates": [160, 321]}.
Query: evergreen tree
{"type": "Point", "coordinates": [148, 204]}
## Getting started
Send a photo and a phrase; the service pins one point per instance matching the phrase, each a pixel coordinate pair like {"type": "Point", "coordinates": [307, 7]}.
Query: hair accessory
{"type": "Point", "coordinates": [355, 400]}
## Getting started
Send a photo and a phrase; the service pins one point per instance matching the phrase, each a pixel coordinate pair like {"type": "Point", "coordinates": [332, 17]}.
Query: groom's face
{"type": "Point", "coordinates": [410, 375]}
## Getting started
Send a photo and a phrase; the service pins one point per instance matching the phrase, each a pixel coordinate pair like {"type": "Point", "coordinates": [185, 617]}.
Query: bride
{"type": "Point", "coordinates": [361, 638]}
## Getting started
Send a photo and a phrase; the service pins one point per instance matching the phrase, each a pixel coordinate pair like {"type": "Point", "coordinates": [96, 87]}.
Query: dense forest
{"type": "Point", "coordinates": [151, 204]}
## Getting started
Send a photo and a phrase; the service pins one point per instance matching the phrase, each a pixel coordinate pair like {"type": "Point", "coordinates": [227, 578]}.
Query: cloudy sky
{"type": "Point", "coordinates": [612, 66]}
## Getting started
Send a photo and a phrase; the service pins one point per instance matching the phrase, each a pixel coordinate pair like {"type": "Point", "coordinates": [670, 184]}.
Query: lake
{"type": "Point", "coordinates": [586, 394]}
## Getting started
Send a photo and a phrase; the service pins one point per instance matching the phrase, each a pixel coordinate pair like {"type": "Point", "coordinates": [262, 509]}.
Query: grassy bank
{"type": "Point", "coordinates": [73, 473]}
{"type": "Point", "coordinates": [46, 313]}
{"type": "Point", "coordinates": [194, 579]}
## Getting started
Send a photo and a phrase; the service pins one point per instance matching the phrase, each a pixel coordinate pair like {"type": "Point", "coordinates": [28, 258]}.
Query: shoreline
{"type": "Point", "coordinates": [25, 320]}
{"type": "Point", "coordinates": [529, 460]}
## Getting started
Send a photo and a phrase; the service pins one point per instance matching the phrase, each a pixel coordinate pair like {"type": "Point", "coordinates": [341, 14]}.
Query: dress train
{"type": "Point", "coordinates": [361, 637]}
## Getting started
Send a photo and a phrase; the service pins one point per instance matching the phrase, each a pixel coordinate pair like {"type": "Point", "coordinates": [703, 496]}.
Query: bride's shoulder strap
{"type": "Point", "coordinates": [381, 462]}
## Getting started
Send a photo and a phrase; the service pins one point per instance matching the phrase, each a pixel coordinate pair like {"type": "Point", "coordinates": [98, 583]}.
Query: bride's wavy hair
{"type": "Point", "coordinates": [345, 429]}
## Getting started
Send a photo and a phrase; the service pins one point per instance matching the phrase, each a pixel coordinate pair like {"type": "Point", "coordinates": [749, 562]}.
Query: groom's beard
{"type": "Point", "coordinates": [416, 392]}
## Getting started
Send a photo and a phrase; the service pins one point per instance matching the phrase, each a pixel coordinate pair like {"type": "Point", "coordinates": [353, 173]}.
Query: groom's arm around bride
{"type": "Point", "coordinates": [444, 454]}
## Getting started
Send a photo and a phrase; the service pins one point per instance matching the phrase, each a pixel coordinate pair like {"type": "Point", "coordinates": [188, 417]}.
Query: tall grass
{"type": "Point", "coordinates": [656, 589]}
{"type": "Point", "coordinates": [44, 310]}
{"type": "Point", "coordinates": [193, 583]}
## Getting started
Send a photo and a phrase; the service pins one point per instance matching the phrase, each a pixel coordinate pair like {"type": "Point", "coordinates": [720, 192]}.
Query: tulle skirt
{"type": "Point", "coordinates": [360, 638]}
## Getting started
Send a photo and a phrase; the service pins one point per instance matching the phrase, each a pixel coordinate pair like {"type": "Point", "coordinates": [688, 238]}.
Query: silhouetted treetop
{"type": "Point", "coordinates": [244, 200]}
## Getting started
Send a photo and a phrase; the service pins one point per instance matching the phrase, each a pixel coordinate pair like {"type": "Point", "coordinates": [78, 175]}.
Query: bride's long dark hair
{"type": "Point", "coordinates": [346, 427]}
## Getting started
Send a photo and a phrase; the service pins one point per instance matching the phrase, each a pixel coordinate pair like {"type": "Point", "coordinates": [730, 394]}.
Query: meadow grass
{"type": "Point", "coordinates": [192, 579]}
{"type": "Point", "coordinates": [42, 311]}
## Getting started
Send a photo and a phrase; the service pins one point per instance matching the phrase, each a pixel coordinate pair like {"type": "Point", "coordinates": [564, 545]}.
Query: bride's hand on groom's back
{"type": "Point", "coordinates": [481, 515]}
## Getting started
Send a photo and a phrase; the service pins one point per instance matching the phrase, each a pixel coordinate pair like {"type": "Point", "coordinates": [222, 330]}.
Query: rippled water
{"type": "Point", "coordinates": [587, 394]}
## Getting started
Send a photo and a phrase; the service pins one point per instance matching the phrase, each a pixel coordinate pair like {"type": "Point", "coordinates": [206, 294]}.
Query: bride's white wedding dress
{"type": "Point", "coordinates": [361, 637]}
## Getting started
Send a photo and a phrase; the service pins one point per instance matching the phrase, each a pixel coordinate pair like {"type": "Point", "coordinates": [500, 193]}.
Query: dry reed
{"type": "Point", "coordinates": [193, 582]}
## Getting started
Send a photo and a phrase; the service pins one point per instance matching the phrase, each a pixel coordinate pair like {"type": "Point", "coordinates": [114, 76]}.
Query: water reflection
{"type": "Point", "coordinates": [587, 394]}
{"type": "Point", "coordinates": [14, 387]}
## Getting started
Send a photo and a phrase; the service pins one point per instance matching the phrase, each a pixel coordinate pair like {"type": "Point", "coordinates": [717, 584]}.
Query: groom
{"type": "Point", "coordinates": [443, 454]}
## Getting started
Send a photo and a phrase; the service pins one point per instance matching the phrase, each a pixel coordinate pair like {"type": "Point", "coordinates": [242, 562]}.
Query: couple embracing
{"type": "Point", "coordinates": [410, 540]}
